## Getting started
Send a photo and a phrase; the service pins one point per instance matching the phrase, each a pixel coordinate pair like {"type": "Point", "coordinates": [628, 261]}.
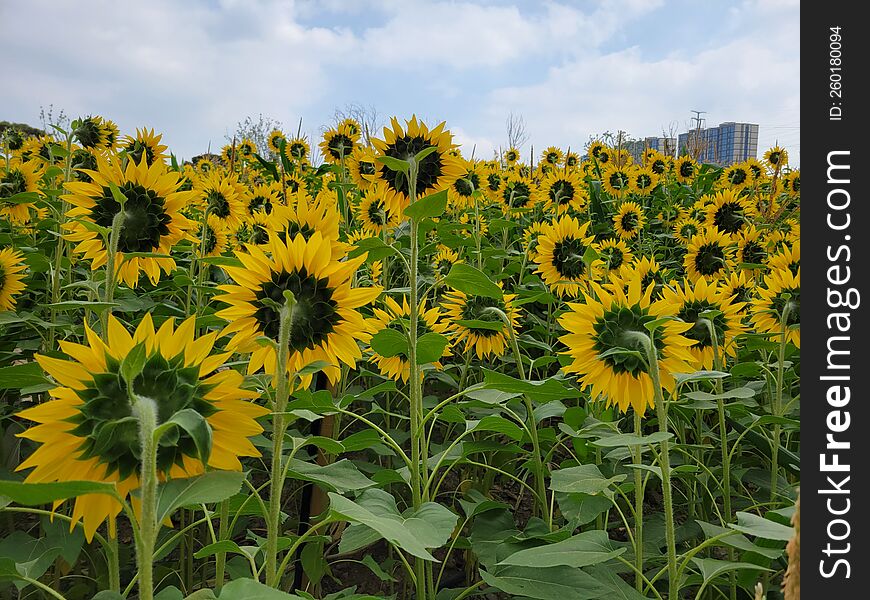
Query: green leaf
{"type": "Point", "coordinates": [110, 595]}
{"type": "Point", "coordinates": [22, 198]}
{"type": "Point", "coordinates": [97, 307]}
{"type": "Point", "coordinates": [376, 569]}
{"type": "Point", "coordinates": [619, 589]}
{"type": "Point", "coordinates": [629, 439]}
{"type": "Point", "coordinates": [218, 547]}
{"type": "Point", "coordinates": [711, 568]}
{"type": "Point", "coordinates": [432, 205]}
{"type": "Point", "coordinates": [497, 424]}
{"type": "Point", "coordinates": [699, 376]}
{"type": "Point", "coordinates": [413, 531]}
{"type": "Point", "coordinates": [375, 247]}
{"type": "Point", "coordinates": [196, 427]}
{"type": "Point", "coordinates": [430, 347]}
{"type": "Point", "coordinates": [581, 550]}
{"type": "Point", "coordinates": [585, 479]}
{"type": "Point", "coordinates": [550, 583]}
{"type": "Point", "coordinates": [36, 494]}
{"type": "Point", "coordinates": [761, 527]}
{"type": "Point", "coordinates": [737, 540]}
{"type": "Point", "coordinates": [424, 153]}
{"type": "Point", "coordinates": [213, 486]}
{"type": "Point", "coordinates": [581, 509]}
{"type": "Point", "coordinates": [22, 376]}
{"type": "Point", "coordinates": [394, 164]}
{"type": "Point", "coordinates": [478, 324]}
{"type": "Point", "coordinates": [248, 589]}
{"type": "Point", "coordinates": [544, 391]}
{"type": "Point", "coordinates": [117, 194]}
{"type": "Point", "coordinates": [469, 280]}
{"type": "Point", "coordinates": [133, 364]}
{"type": "Point", "coordinates": [389, 342]}
{"type": "Point", "coordinates": [741, 392]}
{"type": "Point", "coordinates": [341, 476]}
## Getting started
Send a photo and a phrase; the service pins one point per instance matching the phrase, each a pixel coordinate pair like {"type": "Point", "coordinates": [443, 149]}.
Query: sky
{"type": "Point", "coordinates": [571, 69]}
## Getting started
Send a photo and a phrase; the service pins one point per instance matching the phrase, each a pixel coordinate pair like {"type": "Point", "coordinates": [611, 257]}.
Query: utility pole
{"type": "Point", "coordinates": [698, 144]}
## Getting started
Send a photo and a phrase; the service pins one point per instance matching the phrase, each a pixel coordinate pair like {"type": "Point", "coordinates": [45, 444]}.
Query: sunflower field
{"type": "Point", "coordinates": [403, 372]}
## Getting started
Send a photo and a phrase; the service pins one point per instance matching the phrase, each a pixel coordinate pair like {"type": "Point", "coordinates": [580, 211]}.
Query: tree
{"type": "Point", "coordinates": [368, 117]}
{"type": "Point", "coordinates": [516, 131]}
{"type": "Point", "coordinates": [257, 130]}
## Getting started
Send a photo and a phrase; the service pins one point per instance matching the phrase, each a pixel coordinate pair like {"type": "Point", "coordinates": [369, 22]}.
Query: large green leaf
{"type": "Point", "coordinates": [583, 549]}
{"type": "Point", "coordinates": [549, 583]}
{"type": "Point", "coordinates": [473, 282]}
{"type": "Point", "coordinates": [430, 347]}
{"type": "Point", "coordinates": [248, 589]}
{"type": "Point", "coordinates": [389, 342]}
{"type": "Point", "coordinates": [761, 527]}
{"type": "Point", "coordinates": [432, 205]}
{"type": "Point", "coordinates": [196, 427]}
{"type": "Point", "coordinates": [413, 531]}
{"type": "Point", "coordinates": [213, 486]}
{"type": "Point", "coordinates": [711, 568]}
{"type": "Point", "coordinates": [585, 479]}
{"type": "Point", "coordinates": [540, 391]}
{"type": "Point", "coordinates": [629, 439]}
{"type": "Point", "coordinates": [35, 494]}
{"type": "Point", "coordinates": [22, 376]}
{"type": "Point", "coordinates": [341, 476]}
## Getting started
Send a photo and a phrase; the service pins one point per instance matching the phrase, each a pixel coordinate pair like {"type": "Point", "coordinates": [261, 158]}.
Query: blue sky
{"type": "Point", "coordinates": [193, 69]}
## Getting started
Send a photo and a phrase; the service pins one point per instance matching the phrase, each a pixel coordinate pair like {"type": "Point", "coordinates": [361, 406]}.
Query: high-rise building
{"type": "Point", "coordinates": [665, 145]}
{"type": "Point", "coordinates": [724, 145]}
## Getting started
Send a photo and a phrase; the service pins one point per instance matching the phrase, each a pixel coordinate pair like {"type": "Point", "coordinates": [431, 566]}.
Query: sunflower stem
{"type": "Point", "coordinates": [59, 247]}
{"type": "Point", "coordinates": [111, 274]}
{"type": "Point", "coordinates": [419, 463]}
{"type": "Point", "coordinates": [638, 507]}
{"type": "Point", "coordinates": [146, 412]}
{"type": "Point", "coordinates": [777, 403]}
{"type": "Point", "coordinates": [112, 559]}
{"type": "Point", "coordinates": [282, 394]}
{"type": "Point", "coordinates": [220, 559]}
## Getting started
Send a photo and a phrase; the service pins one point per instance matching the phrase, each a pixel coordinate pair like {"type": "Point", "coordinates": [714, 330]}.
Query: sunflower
{"type": "Point", "coordinates": [776, 157]}
{"type": "Point", "coordinates": [222, 196]}
{"type": "Point", "coordinates": [561, 256]}
{"type": "Point", "coordinates": [444, 260]}
{"type": "Point", "coordinates": [729, 212]}
{"type": "Point", "coordinates": [229, 154]}
{"type": "Point", "coordinates": [87, 432]}
{"type": "Point", "coordinates": [374, 215]}
{"type": "Point", "coordinates": [306, 215]}
{"type": "Point", "coordinates": [204, 166]}
{"type": "Point", "coordinates": [326, 325]}
{"type": "Point", "coordinates": [461, 192]}
{"type": "Point", "coordinates": [44, 148]}
{"type": "Point", "coordinates": [779, 297]}
{"type": "Point", "coordinates": [436, 171]}
{"type": "Point", "coordinates": [351, 125]}
{"type": "Point", "coordinates": [339, 143]}
{"type": "Point", "coordinates": [492, 182]}
{"type": "Point", "coordinates": [737, 287]}
{"type": "Point", "coordinates": [710, 255]}
{"type": "Point", "coordinates": [511, 156]}
{"type": "Point", "coordinates": [146, 143]}
{"type": "Point", "coordinates": [658, 163]}
{"type": "Point", "coordinates": [648, 270]}
{"type": "Point", "coordinates": [275, 139]}
{"type": "Point", "coordinates": [472, 221]}
{"type": "Point", "coordinates": [614, 254]}
{"type": "Point", "coordinates": [750, 247]}
{"type": "Point", "coordinates": [396, 317]}
{"type": "Point", "coordinates": [297, 149]}
{"type": "Point", "coordinates": [609, 321]}
{"type": "Point", "coordinates": [153, 221]}
{"type": "Point", "coordinates": [552, 156]}
{"type": "Point", "coordinates": [629, 220]}
{"type": "Point", "coordinates": [686, 168]}
{"type": "Point", "coordinates": [643, 180]}
{"type": "Point", "coordinates": [689, 302]}
{"type": "Point", "coordinates": [517, 194]}
{"type": "Point", "coordinates": [621, 158]}
{"type": "Point", "coordinates": [737, 176]}
{"type": "Point", "coordinates": [475, 321]}
{"type": "Point", "coordinates": [756, 169]}
{"type": "Point", "coordinates": [596, 148]}
{"type": "Point", "coordinates": [261, 198]}
{"type": "Point", "coordinates": [94, 132]}
{"type": "Point", "coordinates": [11, 277]}
{"type": "Point", "coordinates": [792, 183]}
{"type": "Point", "coordinates": [246, 149]}
{"type": "Point", "coordinates": [686, 228]}
{"type": "Point", "coordinates": [216, 240]}
{"type": "Point", "coordinates": [615, 180]}
{"type": "Point", "coordinates": [560, 190]}
{"type": "Point", "coordinates": [17, 178]}
{"type": "Point", "coordinates": [362, 166]}
{"type": "Point", "coordinates": [262, 226]}
{"type": "Point", "coordinates": [572, 160]}
{"type": "Point", "coordinates": [789, 258]}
